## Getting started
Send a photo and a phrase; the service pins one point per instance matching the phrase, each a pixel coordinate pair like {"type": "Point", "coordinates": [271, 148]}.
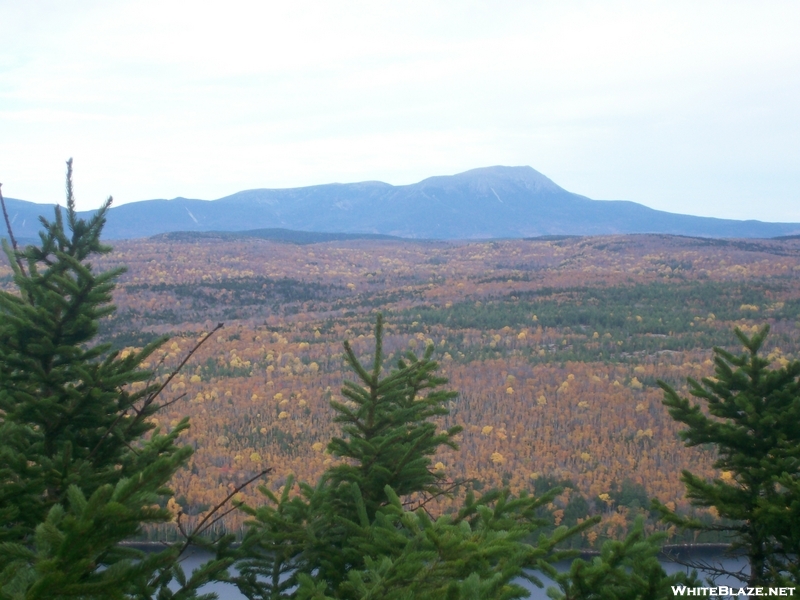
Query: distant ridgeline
{"type": "Point", "coordinates": [288, 236]}
{"type": "Point", "coordinates": [492, 202]}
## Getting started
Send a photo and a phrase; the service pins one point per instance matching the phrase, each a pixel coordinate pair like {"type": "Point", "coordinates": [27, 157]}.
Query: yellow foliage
{"type": "Point", "coordinates": [174, 508]}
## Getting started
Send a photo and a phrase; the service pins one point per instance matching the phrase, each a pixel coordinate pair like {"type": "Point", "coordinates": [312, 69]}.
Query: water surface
{"type": "Point", "coordinates": [229, 592]}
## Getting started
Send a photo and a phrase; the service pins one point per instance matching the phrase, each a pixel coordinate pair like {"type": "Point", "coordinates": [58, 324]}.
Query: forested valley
{"type": "Point", "coordinates": [554, 346]}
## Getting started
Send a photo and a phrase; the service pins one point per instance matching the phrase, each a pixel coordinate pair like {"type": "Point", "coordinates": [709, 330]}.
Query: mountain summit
{"type": "Point", "coordinates": [491, 202]}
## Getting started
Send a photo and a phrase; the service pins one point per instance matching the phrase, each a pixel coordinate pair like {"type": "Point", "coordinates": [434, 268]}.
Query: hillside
{"type": "Point", "coordinates": [554, 345]}
{"type": "Point", "coordinates": [486, 203]}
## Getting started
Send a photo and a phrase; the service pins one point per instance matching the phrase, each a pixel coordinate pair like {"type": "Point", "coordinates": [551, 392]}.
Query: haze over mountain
{"type": "Point", "coordinates": [491, 202]}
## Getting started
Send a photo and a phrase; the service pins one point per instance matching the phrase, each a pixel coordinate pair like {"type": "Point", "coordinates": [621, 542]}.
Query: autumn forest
{"type": "Point", "coordinates": [555, 346]}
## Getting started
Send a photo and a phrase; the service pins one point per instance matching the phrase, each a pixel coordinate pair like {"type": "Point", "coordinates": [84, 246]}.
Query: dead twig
{"type": "Point", "coordinates": [14, 245]}
{"type": "Point", "coordinates": [417, 504]}
{"type": "Point", "coordinates": [177, 369]}
{"type": "Point", "coordinates": [713, 569]}
{"type": "Point", "coordinates": [173, 401]}
{"type": "Point", "coordinates": [211, 517]}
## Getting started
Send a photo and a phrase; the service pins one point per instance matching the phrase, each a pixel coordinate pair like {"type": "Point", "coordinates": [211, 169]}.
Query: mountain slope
{"type": "Point", "coordinates": [492, 202]}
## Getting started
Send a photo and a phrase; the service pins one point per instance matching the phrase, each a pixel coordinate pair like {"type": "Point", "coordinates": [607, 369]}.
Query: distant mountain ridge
{"type": "Point", "coordinates": [485, 203]}
{"type": "Point", "coordinates": [287, 236]}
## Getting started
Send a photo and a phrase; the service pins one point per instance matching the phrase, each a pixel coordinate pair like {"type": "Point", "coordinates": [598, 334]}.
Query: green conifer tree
{"type": "Point", "coordinates": [751, 416]}
{"type": "Point", "coordinates": [351, 536]}
{"type": "Point", "coordinates": [82, 467]}
{"type": "Point", "coordinates": [64, 397]}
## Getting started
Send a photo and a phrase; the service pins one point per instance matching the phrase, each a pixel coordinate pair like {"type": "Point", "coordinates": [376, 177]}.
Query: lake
{"type": "Point", "coordinates": [713, 557]}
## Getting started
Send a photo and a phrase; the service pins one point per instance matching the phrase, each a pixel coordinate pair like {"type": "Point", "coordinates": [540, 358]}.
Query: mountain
{"type": "Point", "coordinates": [492, 202]}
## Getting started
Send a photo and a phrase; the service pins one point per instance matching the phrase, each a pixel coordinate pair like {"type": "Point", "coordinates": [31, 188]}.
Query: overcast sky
{"type": "Point", "coordinates": [690, 107]}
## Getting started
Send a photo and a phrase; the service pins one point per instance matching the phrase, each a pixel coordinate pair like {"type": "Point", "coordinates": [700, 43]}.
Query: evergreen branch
{"type": "Point", "coordinates": [71, 202]}
{"type": "Point", "coordinates": [353, 362]}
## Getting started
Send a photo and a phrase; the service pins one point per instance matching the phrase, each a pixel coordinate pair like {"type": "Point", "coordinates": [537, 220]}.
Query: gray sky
{"type": "Point", "coordinates": [691, 107]}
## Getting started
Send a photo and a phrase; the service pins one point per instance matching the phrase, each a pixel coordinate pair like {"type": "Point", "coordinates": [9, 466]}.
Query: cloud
{"type": "Point", "coordinates": [683, 106]}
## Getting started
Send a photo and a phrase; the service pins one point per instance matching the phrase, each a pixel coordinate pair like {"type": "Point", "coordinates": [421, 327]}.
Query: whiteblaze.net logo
{"type": "Point", "coordinates": [732, 592]}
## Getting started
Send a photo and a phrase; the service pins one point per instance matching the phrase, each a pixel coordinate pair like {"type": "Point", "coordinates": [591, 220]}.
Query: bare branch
{"type": "Point", "coordinates": [443, 492]}
{"type": "Point", "coordinates": [151, 398]}
{"type": "Point", "coordinates": [14, 245]}
{"type": "Point", "coordinates": [173, 401]}
{"type": "Point", "coordinates": [207, 521]}
{"type": "Point", "coordinates": [177, 369]}
{"type": "Point", "coordinates": [713, 569]}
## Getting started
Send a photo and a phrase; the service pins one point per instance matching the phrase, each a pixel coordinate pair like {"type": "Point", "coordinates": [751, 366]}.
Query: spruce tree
{"type": "Point", "coordinates": [82, 467]}
{"type": "Point", "coordinates": [359, 533]}
{"type": "Point", "coordinates": [64, 398]}
{"type": "Point", "coordinates": [750, 415]}
{"type": "Point", "coordinates": [389, 436]}
{"type": "Point", "coordinates": [388, 440]}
